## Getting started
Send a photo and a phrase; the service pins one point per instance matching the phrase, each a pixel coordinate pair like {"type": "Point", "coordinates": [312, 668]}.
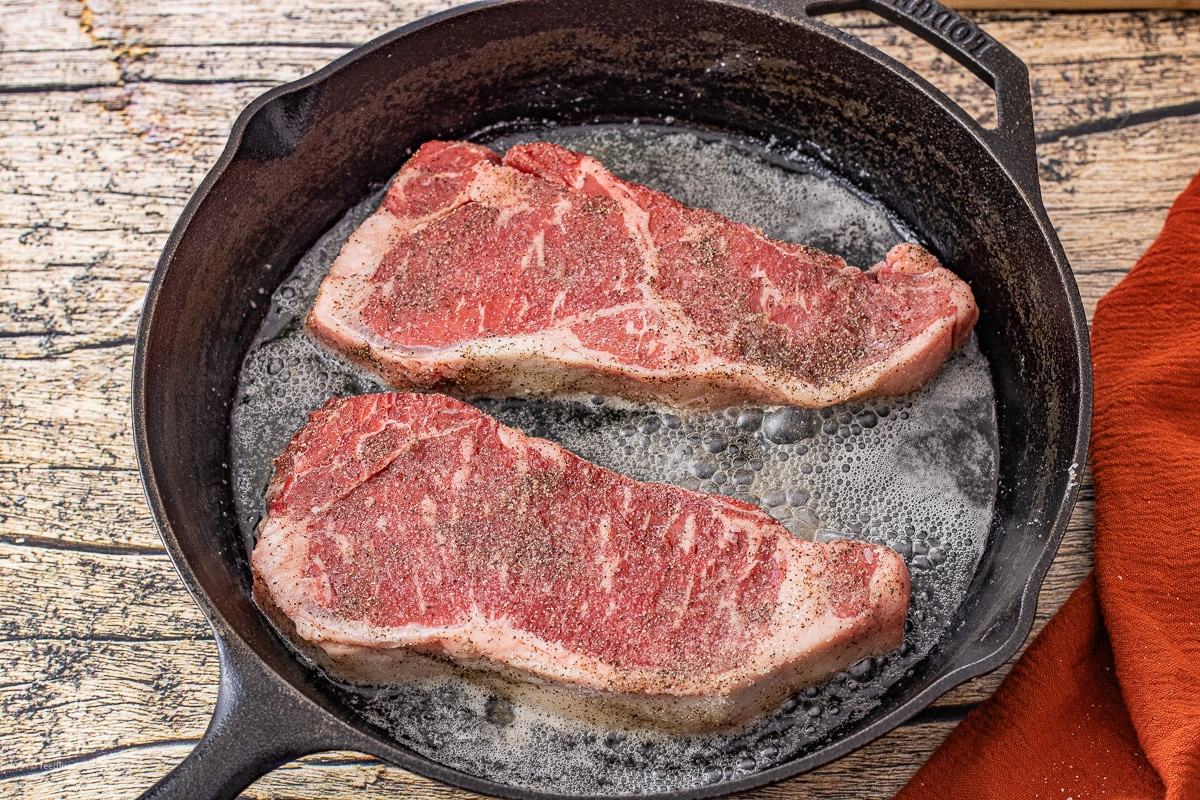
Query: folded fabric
{"type": "Point", "coordinates": [1105, 703]}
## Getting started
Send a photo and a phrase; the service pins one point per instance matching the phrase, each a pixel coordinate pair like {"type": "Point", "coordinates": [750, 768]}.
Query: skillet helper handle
{"type": "Point", "coordinates": [258, 724]}
{"type": "Point", "coordinates": [1013, 137]}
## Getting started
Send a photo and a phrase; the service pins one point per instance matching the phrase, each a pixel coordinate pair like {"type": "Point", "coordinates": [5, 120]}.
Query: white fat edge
{"type": "Point", "coordinates": [281, 558]}
{"type": "Point", "coordinates": [496, 644]}
{"type": "Point", "coordinates": [359, 259]}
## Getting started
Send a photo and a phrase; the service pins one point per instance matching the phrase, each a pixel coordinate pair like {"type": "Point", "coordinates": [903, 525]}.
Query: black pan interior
{"type": "Point", "coordinates": [313, 151]}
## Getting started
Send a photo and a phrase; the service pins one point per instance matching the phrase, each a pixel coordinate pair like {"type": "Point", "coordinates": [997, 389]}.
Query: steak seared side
{"type": "Point", "coordinates": [544, 273]}
{"type": "Point", "coordinates": [410, 523]}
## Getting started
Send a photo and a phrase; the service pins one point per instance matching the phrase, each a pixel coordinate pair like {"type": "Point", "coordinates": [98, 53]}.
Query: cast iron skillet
{"type": "Point", "coordinates": [302, 154]}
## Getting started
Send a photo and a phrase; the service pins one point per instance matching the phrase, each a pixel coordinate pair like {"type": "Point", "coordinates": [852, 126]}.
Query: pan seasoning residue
{"type": "Point", "coordinates": [916, 473]}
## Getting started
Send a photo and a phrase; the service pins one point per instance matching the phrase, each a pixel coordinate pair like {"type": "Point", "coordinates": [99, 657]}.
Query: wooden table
{"type": "Point", "coordinates": [111, 111]}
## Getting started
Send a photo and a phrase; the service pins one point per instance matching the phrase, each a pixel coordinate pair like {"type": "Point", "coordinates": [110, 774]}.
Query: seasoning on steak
{"type": "Point", "coordinates": [547, 274]}
{"type": "Point", "coordinates": [414, 522]}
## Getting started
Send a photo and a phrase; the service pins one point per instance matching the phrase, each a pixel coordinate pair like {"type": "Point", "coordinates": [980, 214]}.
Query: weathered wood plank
{"type": "Point", "coordinates": [229, 63]}
{"type": "Point", "coordinates": [34, 25]}
{"type": "Point", "coordinates": [67, 411]}
{"type": "Point", "coordinates": [138, 767]}
{"type": "Point", "coordinates": [73, 141]}
{"type": "Point", "coordinates": [97, 508]}
{"type": "Point", "coordinates": [82, 297]}
{"type": "Point", "coordinates": [55, 70]}
{"type": "Point", "coordinates": [156, 22]}
{"type": "Point", "coordinates": [1110, 65]}
{"type": "Point", "coordinates": [77, 696]}
{"type": "Point", "coordinates": [1108, 194]}
{"type": "Point", "coordinates": [80, 231]}
{"type": "Point", "coordinates": [62, 594]}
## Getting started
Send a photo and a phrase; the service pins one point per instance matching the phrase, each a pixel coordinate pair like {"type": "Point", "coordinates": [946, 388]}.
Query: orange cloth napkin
{"type": "Point", "coordinates": [1105, 703]}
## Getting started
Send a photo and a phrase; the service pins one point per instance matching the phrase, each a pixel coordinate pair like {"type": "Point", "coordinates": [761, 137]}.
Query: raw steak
{"type": "Point", "coordinates": [547, 274]}
{"type": "Point", "coordinates": [409, 522]}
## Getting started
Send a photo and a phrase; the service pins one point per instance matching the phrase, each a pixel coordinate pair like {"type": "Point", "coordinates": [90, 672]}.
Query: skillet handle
{"type": "Point", "coordinates": [1013, 137]}
{"type": "Point", "coordinates": [259, 723]}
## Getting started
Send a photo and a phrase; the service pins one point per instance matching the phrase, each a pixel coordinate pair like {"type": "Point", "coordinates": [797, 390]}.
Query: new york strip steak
{"type": "Point", "coordinates": [544, 273]}
{"type": "Point", "coordinates": [413, 523]}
